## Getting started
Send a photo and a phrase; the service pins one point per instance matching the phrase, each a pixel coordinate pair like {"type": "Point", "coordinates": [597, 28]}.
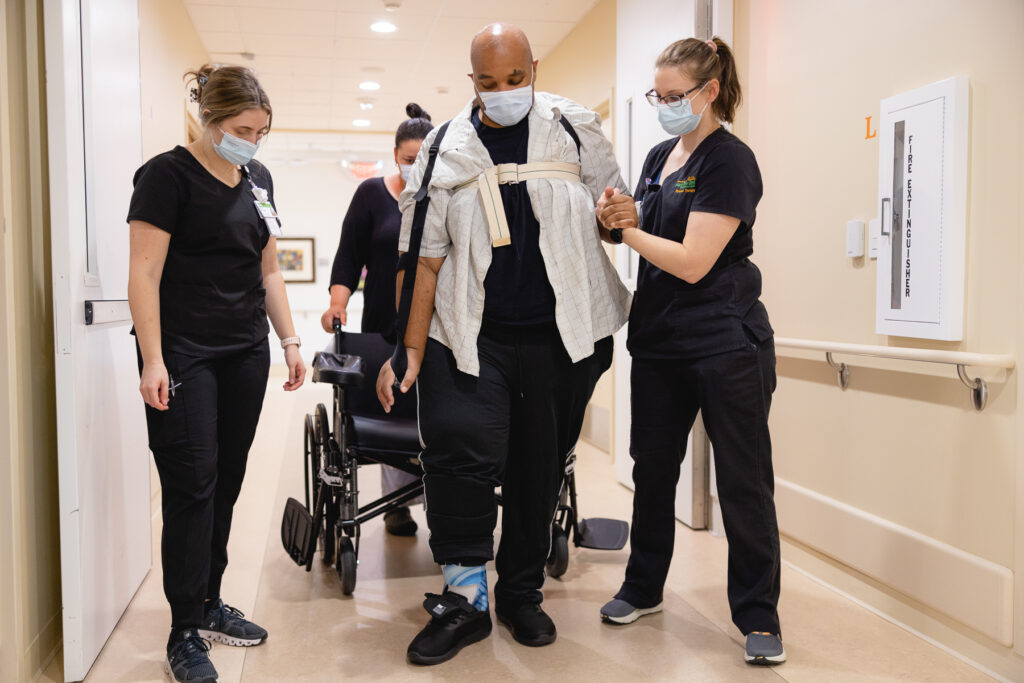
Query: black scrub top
{"type": "Point", "coordinates": [369, 238]}
{"type": "Point", "coordinates": [212, 300]}
{"type": "Point", "coordinates": [671, 318]}
{"type": "Point", "coordinates": [516, 287]}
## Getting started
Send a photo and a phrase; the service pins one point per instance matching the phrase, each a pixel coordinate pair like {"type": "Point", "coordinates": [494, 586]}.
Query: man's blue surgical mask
{"type": "Point", "coordinates": [508, 107]}
{"type": "Point", "coordinates": [680, 120]}
{"type": "Point", "coordinates": [235, 150]}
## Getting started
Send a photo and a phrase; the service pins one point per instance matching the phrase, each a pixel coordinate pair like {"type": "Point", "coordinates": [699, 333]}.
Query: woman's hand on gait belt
{"type": "Point", "coordinates": [386, 378]}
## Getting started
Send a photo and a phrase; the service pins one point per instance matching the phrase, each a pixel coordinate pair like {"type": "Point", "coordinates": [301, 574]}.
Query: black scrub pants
{"type": "Point", "coordinates": [513, 427]}
{"type": "Point", "coordinates": [200, 445]}
{"type": "Point", "coordinates": [734, 392]}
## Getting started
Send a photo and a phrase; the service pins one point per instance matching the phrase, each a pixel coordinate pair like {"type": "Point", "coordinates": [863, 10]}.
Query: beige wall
{"type": "Point", "coordinates": [582, 66]}
{"type": "Point", "coordinates": [903, 442]}
{"type": "Point", "coordinates": [168, 47]}
{"type": "Point", "coordinates": [30, 615]}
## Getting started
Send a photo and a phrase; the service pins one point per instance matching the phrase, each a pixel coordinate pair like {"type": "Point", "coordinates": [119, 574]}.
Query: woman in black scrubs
{"type": "Point", "coordinates": [203, 277]}
{"type": "Point", "coordinates": [699, 338]}
{"type": "Point", "coordinates": [369, 239]}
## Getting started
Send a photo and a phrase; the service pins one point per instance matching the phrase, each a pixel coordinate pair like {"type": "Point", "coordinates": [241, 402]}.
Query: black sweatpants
{"type": "Point", "coordinates": [734, 392]}
{"type": "Point", "coordinates": [200, 445]}
{"type": "Point", "coordinates": [511, 427]}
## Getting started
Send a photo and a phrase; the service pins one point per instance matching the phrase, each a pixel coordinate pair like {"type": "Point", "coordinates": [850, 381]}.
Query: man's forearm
{"type": "Point", "coordinates": [422, 308]}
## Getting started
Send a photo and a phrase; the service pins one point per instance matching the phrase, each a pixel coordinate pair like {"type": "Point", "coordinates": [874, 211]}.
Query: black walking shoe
{"type": "Point", "coordinates": [399, 522]}
{"type": "Point", "coordinates": [529, 623]}
{"type": "Point", "coordinates": [188, 658]}
{"type": "Point", "coordinates": [227, 625]}
{"type": "Point", "coordinates": [454, 624]}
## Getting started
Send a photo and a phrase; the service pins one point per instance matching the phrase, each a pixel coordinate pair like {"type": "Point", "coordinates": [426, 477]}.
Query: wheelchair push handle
{"type": "Point", "coordinates": [336, 324]}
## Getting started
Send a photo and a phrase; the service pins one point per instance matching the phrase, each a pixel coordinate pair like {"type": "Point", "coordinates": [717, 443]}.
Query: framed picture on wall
{"type": "Point", "coordinates": [296, 256]}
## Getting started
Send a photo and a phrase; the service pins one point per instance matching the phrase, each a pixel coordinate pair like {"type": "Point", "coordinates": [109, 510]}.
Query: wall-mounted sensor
{"type": "Point", "coordinates": [855, 239]}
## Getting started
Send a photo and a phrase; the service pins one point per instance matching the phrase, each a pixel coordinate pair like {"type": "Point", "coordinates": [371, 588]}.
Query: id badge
{"type": "Point", "coordinates": [269, 216]}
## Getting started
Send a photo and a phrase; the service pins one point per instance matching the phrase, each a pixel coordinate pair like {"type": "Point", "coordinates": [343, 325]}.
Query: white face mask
{"type": "Point", "coordinates": [508, 107]}
{"type": "Point", "coordinates": [403, 170]}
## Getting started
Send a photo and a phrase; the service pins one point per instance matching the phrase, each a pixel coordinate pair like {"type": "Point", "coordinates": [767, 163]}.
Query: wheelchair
{"type": "Point", "coordinates": [356, 433]}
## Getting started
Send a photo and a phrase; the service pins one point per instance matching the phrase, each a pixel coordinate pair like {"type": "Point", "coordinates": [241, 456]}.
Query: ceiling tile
{"type": "Point", "coordinates": [409, 7]}
{"type": "Point", "coordinates": [311, 54]}
{"type": "Point", "coordinates": [214, 18]}
{"type": "Point", "coordinates": [288, 22]}
{"type": "Point", "coordinates": [215, 41]}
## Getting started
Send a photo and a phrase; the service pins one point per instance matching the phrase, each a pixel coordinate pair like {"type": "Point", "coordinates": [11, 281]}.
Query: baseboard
{"type": "Point", "coordinates": [965, 587]}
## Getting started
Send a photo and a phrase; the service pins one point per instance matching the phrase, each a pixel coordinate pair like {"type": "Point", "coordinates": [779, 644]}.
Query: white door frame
{"type": "Point", "coordinates": [103, 465]}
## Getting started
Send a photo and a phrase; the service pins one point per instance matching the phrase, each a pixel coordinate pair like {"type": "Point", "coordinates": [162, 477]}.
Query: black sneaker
{"type": "Point", "coordinates": [188, 657]}
{"type": "Point", "coordinates": [454, 624]}
{"type": "Point", "coordinates": [227, 625]}
{"type": "Point", "coordinates": [529, 623]}
{"type": "Point", "coordinates": [399, 522]}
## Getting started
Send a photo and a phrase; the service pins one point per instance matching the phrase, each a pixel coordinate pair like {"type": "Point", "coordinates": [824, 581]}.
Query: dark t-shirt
{"type": "Point", "coordinates": [212, 300]}
{"type": "Point", "coordinates": [671, 318]}
{"type": "Point", "coordinates": [516, 288]}
{"type": "Point", "coordinates": [369, 238]}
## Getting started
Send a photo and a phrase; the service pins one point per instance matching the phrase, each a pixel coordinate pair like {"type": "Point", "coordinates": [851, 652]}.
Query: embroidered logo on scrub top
{"type": "Point", "coordinates": [688, 185]}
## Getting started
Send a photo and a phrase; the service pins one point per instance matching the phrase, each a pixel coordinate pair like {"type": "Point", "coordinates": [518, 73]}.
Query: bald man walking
{"type": "Point", "coordinates": [514, 305]}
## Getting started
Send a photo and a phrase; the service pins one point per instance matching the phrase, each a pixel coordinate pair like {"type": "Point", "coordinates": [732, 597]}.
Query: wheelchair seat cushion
{"type": "Point", "coordinates": [337, 368]}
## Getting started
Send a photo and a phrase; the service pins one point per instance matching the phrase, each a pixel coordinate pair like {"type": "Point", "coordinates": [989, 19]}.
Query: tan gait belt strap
{"type": "Point", "coordinates": [490, 193]}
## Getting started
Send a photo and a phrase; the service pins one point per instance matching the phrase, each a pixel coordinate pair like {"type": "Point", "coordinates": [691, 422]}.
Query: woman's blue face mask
{"type": "Point", "coordinates": [681, 120]}
{"type": "Point", "coordinates": [235, 150]}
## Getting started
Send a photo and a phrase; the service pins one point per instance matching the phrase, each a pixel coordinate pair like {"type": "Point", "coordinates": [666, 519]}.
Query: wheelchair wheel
{"type": "Point", "coordinates": [323, 425]}
{"type": "Point", "coordinates": [558, 558]}
{"type": "Point", "coordinates": [311, 461]}
{"type": "Point", "coordinates": [328, 532]}
{"type": "Point", "coordinates": [346, 565]}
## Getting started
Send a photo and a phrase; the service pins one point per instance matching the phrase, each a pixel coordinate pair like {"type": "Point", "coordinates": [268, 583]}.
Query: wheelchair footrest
{"type": "Point", "coordinates": [603, 534]}
{"type": "Point", "coordinates": [297, 533]}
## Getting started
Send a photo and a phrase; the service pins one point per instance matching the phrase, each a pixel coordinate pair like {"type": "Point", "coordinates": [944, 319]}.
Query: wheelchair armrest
{"type": "Point", "coordinates": [337, 368]}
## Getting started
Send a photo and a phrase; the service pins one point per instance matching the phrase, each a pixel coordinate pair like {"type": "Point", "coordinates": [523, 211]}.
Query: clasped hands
{"type": "Point", "coordinates": [616, 210]}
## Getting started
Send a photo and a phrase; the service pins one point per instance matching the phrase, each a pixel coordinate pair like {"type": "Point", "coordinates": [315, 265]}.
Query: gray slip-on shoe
{"type": "Point", "coordinates": [621, 612]}
{"type": "Point", "coordinates": [764, 648]}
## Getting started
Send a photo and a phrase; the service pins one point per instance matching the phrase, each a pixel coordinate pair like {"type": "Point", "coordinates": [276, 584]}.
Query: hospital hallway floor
{"type": "Point", "coordinates": [317, 634]}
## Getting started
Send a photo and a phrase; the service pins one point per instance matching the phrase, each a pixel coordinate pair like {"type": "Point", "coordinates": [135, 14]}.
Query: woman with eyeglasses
{"type": "Point", "coordinates": [202, 279]}
{"type": "Point", "coordinates": [700, 340]}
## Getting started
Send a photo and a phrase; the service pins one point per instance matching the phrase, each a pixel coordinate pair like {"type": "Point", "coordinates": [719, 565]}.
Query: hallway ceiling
{"type": "Point", "coordinates": [311, 55]}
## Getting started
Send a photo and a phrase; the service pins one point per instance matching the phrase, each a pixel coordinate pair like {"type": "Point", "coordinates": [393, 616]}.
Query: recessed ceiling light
{"type": "Point", "coordinates": [365, 105]}
{"type": "Point", "coordinates": [361, 123]}
{"type": "Point", "coordinates": [369, 85]}
{"type": "Point", "coordinates": [383, 27]}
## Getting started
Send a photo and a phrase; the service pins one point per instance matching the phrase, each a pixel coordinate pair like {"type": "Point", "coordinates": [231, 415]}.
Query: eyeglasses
{"type": "Point", "coordinates": [657, 100]}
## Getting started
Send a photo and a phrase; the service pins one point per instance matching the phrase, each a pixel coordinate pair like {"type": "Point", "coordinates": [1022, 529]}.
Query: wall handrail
{"type": "Point", "coordinates": [961, 359]}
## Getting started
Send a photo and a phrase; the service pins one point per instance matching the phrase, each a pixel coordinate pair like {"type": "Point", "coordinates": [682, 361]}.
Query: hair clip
{"type": "Point", "coordinates": [713, 45]}
{"type": "Point", "coordinates": [202, 79]}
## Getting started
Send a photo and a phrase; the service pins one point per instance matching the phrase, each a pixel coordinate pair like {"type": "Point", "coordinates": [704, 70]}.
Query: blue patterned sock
{"type": "Point", "coordinates": [469, 582]}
